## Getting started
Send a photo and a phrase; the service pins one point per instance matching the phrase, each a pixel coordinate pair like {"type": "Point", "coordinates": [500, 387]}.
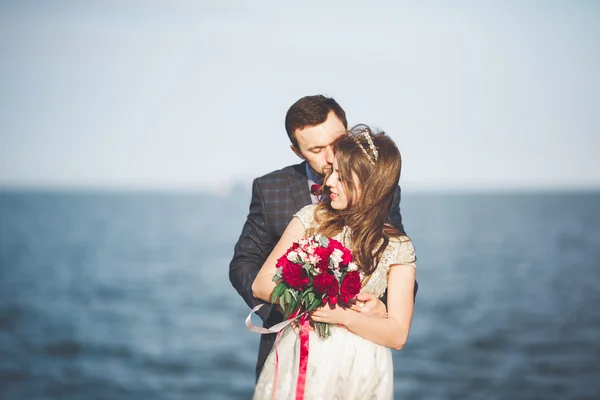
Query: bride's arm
{"type": "Point", "coordinates": [390, 332]}
{"type": "Point", "coordinates": [263, 285]}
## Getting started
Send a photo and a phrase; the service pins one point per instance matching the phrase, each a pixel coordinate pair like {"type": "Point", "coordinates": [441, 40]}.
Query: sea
{"type": "Point", "coordinates": [126, 295]}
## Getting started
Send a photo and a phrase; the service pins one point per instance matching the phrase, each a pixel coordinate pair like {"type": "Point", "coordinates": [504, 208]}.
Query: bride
{"type": "Point", "coordinates": [355, 362]}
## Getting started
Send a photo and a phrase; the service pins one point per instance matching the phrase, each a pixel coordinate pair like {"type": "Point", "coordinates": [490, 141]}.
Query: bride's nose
{"type": "Point", "coordinates": [329, 181]}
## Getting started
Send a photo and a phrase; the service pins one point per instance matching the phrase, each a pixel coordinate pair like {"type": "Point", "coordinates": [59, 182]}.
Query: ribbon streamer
{"type": "Point", "coordinates": [274, 329]}
{"type": "Point", "coordinates": [303, 362]}
{"type": "Point", "coordinates": [304, 328]}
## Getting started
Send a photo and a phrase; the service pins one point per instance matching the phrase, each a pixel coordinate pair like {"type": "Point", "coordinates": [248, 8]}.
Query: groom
{"type": "Point", "coordinates": [312, 124]}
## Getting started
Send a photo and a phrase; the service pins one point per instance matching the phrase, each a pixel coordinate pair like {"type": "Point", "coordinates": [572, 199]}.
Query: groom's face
{"type": "Point", "coordinates": [314, 143]}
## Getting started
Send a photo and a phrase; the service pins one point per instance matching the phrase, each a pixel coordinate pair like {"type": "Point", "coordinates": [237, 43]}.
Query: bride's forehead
{"type": "Point", "coordinates": [335, 164]}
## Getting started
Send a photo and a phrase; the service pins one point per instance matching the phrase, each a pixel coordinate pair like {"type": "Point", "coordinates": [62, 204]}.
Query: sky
{"type": "Point", "coordinates": [188, 94]}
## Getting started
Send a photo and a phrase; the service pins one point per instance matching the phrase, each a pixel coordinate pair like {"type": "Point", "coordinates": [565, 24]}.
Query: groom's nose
{"type": "Point", "coordinates": [329, 155]}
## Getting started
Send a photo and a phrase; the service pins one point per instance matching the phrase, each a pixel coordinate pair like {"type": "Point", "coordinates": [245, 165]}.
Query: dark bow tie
{"type": "Point", "coordinates": [315, 189]}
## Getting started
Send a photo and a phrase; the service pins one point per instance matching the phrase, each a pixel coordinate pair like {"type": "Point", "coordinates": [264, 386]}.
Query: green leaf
{"type": "Point", "coordinates": [316, 303]}
{"type": "Point", "coordinates": [282, 288]}
{"type": "Point", "coordinates": [282, 302]}
{"type": "Point", "coordinates": [293, 307]}
{"type": "Point", "coordinates": [323, 241]}
{"type": "Point", "coordinates": [307, 267]}
{"type": "Point", "coordinates": [278, 291]}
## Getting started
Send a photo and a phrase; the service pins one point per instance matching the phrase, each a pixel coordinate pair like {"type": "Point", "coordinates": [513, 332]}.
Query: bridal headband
{"type": "Point", "coordinates": [367, 136]}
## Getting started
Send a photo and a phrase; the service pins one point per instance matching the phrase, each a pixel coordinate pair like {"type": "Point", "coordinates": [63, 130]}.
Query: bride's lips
{"type": "Point", "coordinates": [333, 195]}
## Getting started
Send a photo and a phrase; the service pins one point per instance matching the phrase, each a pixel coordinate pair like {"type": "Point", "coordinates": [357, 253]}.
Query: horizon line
{"type": "Point", "coordinates": [224, 190]}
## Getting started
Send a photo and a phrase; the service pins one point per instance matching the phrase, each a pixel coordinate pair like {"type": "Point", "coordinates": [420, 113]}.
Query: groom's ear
{"type": "Point", "coordinates": [296, 151]}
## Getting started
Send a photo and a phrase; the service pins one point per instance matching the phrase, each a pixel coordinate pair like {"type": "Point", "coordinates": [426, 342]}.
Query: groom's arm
{"type": "Point", "coordinates": [251, 251]}
{"type": "Point", "coordinates": [394, 213]}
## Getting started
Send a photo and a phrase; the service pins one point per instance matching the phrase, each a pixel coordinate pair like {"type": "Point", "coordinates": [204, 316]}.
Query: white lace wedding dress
{"type": "Point", "coordinates": [344, 365]}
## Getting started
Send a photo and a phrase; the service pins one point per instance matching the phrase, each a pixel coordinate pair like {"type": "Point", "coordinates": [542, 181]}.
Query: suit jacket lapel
{"type": "Point", "coordinates": [299, 186]}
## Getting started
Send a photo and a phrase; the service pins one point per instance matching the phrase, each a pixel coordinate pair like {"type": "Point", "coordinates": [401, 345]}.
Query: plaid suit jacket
{"type": "Point", "coordinates": [276, 197]}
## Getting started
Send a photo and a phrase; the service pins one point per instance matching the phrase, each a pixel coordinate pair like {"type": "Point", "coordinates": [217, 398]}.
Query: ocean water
{"type": "Point", "coordinates": [127, 296]}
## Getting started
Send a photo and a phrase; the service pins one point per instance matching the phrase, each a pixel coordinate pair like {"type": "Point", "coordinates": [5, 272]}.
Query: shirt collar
{"type": "Point", "coordinates": [312, 177]}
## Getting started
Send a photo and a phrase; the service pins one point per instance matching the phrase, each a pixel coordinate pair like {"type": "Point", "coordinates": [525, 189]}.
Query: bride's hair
{"type": "Point", "coordinates": [375, 160]}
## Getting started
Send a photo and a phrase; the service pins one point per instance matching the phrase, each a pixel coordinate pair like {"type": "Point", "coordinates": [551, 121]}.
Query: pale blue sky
{"type": "Point", "coordinates": [193, 94]}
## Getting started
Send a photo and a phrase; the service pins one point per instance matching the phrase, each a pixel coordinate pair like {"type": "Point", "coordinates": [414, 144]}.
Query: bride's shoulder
{"type": "Point", "coordinates": [309, 209]}
{"type": "Point", "coordinates": [401, 241]}
{"type": "Point", "coordinates": [404, 249]}
{"type": "Point", "coordinates": [306, 215]}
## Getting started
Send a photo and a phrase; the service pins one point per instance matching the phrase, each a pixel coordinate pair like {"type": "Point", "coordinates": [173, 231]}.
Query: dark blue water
{"type": "Point", "coordinates": [126, 296]}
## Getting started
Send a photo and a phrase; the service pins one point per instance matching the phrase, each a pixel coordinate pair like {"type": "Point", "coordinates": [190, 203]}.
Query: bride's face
{"type": "Point", "coordinates": [337, 187]}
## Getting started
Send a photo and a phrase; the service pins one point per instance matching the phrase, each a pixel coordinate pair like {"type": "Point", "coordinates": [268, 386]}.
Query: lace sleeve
{"type": "Point", "coordinates": [406, 253]}
{"type": "Point", "coordinates": [306, 215]}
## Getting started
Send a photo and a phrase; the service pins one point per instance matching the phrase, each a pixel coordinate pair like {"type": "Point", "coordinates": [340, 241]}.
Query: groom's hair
{"type": "Point", "coordinates": [311, 111]}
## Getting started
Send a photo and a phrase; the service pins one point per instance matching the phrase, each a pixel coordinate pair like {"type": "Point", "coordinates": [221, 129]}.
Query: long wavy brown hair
{"type": "Point", "coordinates": [370, 180]}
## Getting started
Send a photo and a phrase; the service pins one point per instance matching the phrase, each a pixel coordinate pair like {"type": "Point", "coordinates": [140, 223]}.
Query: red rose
{"type": "Point", "coordinates": [325, 284]}
{"type": "Point", "coordinates": [283, 261]}
{"type": "Point", "coordinates": [334, 244]}
{"type": "Point", "coordinates": [293, 274]}
{"type": "Point", "coordinates": [350, 286]}
{"type": "Point", "coordinates": [323, 254]}
{"type": "Point", "coordinates": [347, 257]}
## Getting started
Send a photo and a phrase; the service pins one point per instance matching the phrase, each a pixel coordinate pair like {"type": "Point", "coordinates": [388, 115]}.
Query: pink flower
{"type": "Point", "coordinates": [323, 254]}
{"type": "Point", "coordinates": [346, 254]}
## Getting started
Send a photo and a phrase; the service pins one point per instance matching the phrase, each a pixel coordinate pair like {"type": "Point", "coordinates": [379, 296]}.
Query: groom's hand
{"type": "Point", "coordinates": [368, 304]}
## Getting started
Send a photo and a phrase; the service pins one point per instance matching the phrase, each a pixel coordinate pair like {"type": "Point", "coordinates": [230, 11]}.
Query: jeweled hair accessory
{"type": "Point", "coordinates": [372, 147]}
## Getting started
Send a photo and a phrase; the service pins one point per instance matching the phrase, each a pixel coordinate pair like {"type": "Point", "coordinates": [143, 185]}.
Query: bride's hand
{"type": "Point", "coordinates": [368, 304]}
{"type": "Point", "coordinates": [332, 314]}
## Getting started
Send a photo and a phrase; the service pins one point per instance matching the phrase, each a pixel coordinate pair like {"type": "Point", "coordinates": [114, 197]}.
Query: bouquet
{"type": "Point", "coordinates": [315, 271]}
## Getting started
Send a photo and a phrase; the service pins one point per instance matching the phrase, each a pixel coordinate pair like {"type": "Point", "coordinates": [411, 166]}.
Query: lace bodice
{"type": "Point", "coordinates": [399, 251]}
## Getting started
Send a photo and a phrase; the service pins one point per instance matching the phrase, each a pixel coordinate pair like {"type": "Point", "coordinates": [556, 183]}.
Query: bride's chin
{"type": "Point", "coordinates": [336, 206]}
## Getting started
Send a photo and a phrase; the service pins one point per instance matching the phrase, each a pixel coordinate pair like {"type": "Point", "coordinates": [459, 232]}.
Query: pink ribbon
{"type": "Point", "coordinates": [276, 366]}
{"type": "Point", "coordinates": [274, 329]}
